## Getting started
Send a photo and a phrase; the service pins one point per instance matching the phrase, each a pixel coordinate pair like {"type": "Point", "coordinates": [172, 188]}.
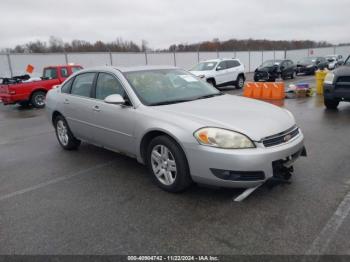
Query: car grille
{"type": "Point", "coordinates": [281, 137]}
{"type": "Point", "coordinates": [343, 79]}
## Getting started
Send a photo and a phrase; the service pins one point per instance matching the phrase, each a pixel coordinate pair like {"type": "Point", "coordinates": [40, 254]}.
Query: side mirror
{"type": "Point", "coordinates": [115, 99]}
{"type": "Point", "coordinates": [218, 68]}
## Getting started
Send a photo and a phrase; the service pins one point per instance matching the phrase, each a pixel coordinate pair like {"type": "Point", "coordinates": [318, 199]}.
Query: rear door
{"type": "Point", "coordinates": [78, 105]}
{"type": "Point", "coordinates": [113, 124]}
{"type": "Point", "coordinates": [234, 69]}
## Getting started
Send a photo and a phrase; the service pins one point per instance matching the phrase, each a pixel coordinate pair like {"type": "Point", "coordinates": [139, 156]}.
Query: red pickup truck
{"type": "Point", "coordinates": [16, 90]}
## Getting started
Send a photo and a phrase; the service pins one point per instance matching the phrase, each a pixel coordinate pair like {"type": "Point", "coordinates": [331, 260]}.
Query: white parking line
{"type": "Point", "coordinates": [53, 181]}
{"type": "Point", "coordinates": [321, 242]}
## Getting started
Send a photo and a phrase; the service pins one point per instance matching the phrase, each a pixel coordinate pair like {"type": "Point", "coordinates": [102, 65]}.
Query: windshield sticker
{"type": "Point", "coordinates": [188, 78]}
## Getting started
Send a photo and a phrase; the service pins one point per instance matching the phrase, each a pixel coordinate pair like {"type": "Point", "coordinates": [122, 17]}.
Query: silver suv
{"type": "Point", "coordinates": [221, 72]}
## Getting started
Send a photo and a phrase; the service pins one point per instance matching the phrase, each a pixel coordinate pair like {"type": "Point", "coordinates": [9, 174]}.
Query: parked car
{"type": "Point", "coordinates": [24, 90]}
{"type": "Point", "coordinates": [221, 72]}
{"type": "Point", "coordinates": [182, 128]}
{"type": "Point", "coordinates": [337, 86]}
{"type": "Point", "coordinates": [334, 61]}
{"type": "Point", "coordinates": [270, 70]}
{"type": "Point", "coordinates": [309, 65]}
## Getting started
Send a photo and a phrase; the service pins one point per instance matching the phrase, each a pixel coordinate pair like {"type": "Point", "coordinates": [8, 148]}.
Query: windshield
{"type": "Point", "coordinates": [308, 60]}
{"type": "Point", "coordinates": [271, 63]}
{"type": "Point", "coordinates": [204, 66]}
{"type": "Point", "coordinates": [168, 86]}
{"type": "Point", "coordinates": [347, 62]}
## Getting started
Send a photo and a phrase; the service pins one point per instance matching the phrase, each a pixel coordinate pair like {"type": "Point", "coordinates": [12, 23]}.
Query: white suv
{"type": "Point", "coordinates": [221, 72]}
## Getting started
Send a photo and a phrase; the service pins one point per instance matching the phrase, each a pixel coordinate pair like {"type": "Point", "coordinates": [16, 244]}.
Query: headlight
{"type": "Point", "coordinates": [329, 78]}
{"type": "Point", "coordinates": [222, 138]}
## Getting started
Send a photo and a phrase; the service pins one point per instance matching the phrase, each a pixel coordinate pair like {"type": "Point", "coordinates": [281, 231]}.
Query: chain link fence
{"type": "Point", "coordinates": [15, 64]}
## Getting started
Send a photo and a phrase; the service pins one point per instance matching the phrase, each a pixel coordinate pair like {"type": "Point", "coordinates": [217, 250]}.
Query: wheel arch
{"type": "Point", "coordinates": [147, 138]}
{"type": "Point", "coordinates": [241, 74]}
{"type": "Point", "coordinates": [54, 115]}
{"type": "Point", "coordinates": [39, 89]}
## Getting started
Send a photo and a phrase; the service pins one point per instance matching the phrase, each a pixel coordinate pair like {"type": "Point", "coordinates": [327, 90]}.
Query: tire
{"type": "Point", "coordinates": [38, 99]}
{"type": "Point", "coordinates": [64, 136]}
{"type": "Point", "coordinates": [167, 164]}
{"type": "Point", "coordinates": [331, 103]}
{"type": "Point", "coordinates": [212, 82]}
{"type": "Point", "coordinates": [293, 75]}
{"type": "Point", "coordinates": [240, 82]}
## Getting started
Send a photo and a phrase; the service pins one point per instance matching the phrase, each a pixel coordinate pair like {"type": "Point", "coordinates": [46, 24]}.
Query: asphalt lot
{"type": "Point", "coordinates": [93, 201]}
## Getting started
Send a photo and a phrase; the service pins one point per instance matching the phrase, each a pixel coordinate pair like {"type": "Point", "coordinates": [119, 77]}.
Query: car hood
{"type": "Point", "coordinates": [305, 64]}
{"type": "Point", "coordinates": [342, 71]}
{"type": "Point", "coordinates": [254, 118]}
{"type": "Point", "coordinates": [203, 73]}
{"type": "Point", "coordinates": [266, 68]}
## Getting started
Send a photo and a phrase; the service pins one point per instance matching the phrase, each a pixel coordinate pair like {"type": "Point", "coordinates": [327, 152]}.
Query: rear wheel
{"type": "Point", "coordinates": [64, 136]}
{"type": "Point", "coordinates": [240, 82]}
{"type": "Point", "coordinates": [38, 99]}
{"type": "Point", "coordinates": [331, 103]}
{"type": "Point", "coordinates": [168, 164]}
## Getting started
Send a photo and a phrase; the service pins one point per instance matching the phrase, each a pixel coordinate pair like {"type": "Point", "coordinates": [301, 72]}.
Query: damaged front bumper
{"type": "Point", "coordinates": [282, 172]}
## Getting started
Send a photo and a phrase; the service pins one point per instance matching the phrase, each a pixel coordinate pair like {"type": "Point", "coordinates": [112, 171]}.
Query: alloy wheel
{"type": "Point", "coordinates": [62, 132]}
{"type": "Point", "coordinates": [163, 165]}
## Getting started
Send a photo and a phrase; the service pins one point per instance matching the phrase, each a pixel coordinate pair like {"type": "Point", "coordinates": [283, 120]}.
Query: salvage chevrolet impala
{"type": "Point", "coordinates": [178, 125]}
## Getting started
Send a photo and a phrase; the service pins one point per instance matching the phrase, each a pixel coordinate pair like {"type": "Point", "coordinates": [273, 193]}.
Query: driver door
{"type": "Point", "coordinates": [113, 124]}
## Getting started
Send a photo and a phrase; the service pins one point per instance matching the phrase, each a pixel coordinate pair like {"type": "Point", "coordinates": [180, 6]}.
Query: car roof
{"type": "Point", "coordinates": [126, 69]}
{"type": "Point", "coordinates": [219, 59]}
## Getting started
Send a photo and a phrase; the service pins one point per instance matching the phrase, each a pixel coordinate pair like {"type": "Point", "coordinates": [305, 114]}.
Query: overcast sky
{"type": "Point", "coordinates": [164, 22]}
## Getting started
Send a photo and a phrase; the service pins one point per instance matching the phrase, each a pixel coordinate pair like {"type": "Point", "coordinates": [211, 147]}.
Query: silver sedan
{"type": "Point", "coordinates": [182, 128]}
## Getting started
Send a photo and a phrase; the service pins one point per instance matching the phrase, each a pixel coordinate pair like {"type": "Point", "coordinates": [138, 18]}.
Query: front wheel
{"type": "Point", "coordinates": [240, 82]}
{"type": "Point", "coordinates": [293, 75]}
{"type": "Point", "coordinates": [331, 103]}
{"type": "Point", "coordinates": [38, 99]}
{"type": "Point", "coordinates": [64, 136]}
{"type": "Point", "coordinates": [168, 164]}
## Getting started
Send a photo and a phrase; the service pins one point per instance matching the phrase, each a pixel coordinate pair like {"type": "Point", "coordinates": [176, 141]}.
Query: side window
{"type": "Point", "coordinates": [50, 73]}
{"type": "Point", "coordinates": [66, 86]}
{"type": "Point", "coordinates": [82, 84]}
{"type": "Point", "coordinates": [231, 63]}
{"type": "Point", "coordinates": [236, 63]}
{"type": "Point", "coordinates": [221, 66]}
{"type": "Point", "coordinates": [64, 72]}
{"type": "Point", "coordinates": [108, 85]}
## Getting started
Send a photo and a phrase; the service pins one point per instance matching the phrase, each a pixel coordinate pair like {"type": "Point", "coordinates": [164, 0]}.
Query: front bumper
{"type": "Point", "coordinates": [203, 160]}
{"type": "Point", "coordinates": [337, 92]}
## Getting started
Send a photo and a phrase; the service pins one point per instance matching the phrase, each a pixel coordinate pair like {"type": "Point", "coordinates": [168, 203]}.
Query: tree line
{"type": "Point", "coordinates": [57, 45]}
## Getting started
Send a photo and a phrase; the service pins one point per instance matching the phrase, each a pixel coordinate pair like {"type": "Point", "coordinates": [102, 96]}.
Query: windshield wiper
{"type": "Point", "coordinates": [170, 102]}
{"type": "Point", "coordinates": [184, 100]}
{"type": "Point", "coordinates": [209, 96]}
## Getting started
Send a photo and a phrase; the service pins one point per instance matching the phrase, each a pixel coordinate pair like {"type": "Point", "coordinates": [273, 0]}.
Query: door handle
{"type": "Point", "coordinates": [66, 101]}
{"type": "Point", "coordinates": [96, 108]}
